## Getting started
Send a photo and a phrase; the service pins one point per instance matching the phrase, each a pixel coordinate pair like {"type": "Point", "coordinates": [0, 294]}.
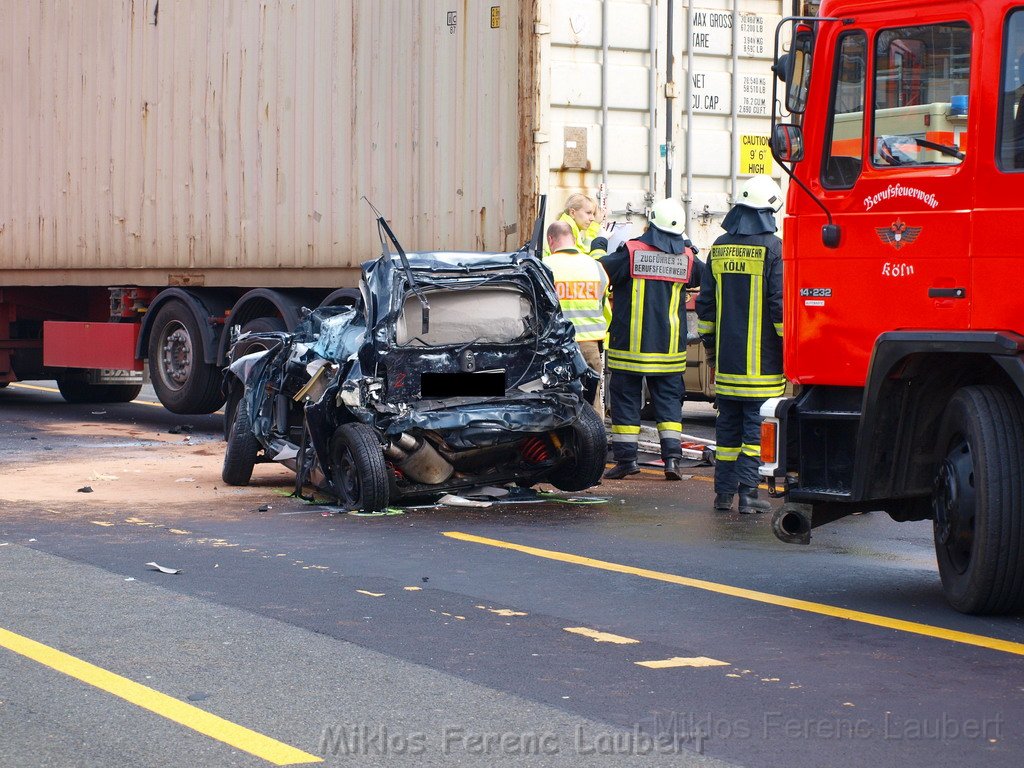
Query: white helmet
{"type": "Point", "coordinates": [668, 216]}
{"type": "Point", "coordinates": [760, 192]}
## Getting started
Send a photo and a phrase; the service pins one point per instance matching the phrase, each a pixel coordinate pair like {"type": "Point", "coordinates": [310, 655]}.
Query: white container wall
{"type": "Point", "coordinates": [645, 161]}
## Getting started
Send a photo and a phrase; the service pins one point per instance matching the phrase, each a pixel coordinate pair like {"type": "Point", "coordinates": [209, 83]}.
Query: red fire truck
{"type": "Point", "coordinates": [904, 277]}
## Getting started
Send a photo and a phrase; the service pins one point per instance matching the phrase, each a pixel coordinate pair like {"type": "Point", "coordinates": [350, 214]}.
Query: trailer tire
{"type": "Point", "coordinates": [242, 450]}
{"type": "Point", "coordinates": [590, 447]}
{"type": "Point", "coordinates": [76, 390]}
{"type": "Point", "coordinates": [257, 325]}
{"type": "Point", "coordinates": [978, 501]}
{"type": "Point", "coordinates": [361, 478]}
{"type": "Point", "coordinates": [183, 381]}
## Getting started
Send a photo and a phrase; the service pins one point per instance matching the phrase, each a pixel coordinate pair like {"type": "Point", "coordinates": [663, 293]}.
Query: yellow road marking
{"type": "Point", "coordinates": [370, 594]}
{"type": "Point", "coordinates": [601, 637]}
{"type": "Point", "coordinates": [199, 720]}
{"type": "Point", "coordinates": [158, 404]}
{"type": "Point", "coordinates": [505, 612]}
{"type": "Point", "coordinates": [680, 661]}
{"type": "Point", "coordinates": [413, 589]}
{"type": "Point", "coordinates": [911, 627]}
{"type": "Point", "coordinates": [104, 523]}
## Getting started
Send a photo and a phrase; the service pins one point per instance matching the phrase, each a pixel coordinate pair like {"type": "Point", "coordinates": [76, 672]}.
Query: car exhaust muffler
{"type": "Point", "coordinates": [418, 459]}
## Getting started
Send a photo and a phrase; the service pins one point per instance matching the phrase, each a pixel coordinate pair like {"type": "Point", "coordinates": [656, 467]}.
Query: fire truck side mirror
{"type": "Point", "coordinates": [788, 143]}
{"type": "Point", "coordinates": [797, 71]}
{"type": "Point", "coordinates": [830, 235]}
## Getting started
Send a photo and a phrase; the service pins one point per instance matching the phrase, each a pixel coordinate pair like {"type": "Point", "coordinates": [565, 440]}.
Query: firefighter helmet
{"type": "Point", "coordinates": [668, 216]}
{"type": "Point", "coordinates": [760, 192]}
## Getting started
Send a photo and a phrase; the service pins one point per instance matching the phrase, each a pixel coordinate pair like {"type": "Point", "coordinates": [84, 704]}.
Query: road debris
{"type": "Point", "coordinates": [163, 569]}
{"type": "Point", "coordinates": [85, 489]}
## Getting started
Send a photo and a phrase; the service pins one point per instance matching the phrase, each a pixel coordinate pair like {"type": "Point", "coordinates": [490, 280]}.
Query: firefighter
{"type": "Point", "coordinates": [647, 337]}
{"type": "Point", "coordinates": [581, 284]}
{"type": "Point", "coordinates": [739, 312]}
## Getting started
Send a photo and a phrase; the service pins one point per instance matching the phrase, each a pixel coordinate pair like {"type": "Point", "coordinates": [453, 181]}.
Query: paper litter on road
{"type": "Point", "coordinates": [452, 500]}
{"type": "Point", "coordinates": [163, 569]}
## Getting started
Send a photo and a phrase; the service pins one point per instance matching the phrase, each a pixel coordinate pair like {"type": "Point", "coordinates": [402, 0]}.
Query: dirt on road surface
{"type": "Point", "coordinates": [124, 463]}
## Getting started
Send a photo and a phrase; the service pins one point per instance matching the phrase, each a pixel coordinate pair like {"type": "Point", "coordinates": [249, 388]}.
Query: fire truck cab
{"type": "Point", "coordinates": [904, 281]}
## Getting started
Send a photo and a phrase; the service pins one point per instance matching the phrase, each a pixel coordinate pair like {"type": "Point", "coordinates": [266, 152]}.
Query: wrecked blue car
{"type": "Point", "coordinates": [453, 370]}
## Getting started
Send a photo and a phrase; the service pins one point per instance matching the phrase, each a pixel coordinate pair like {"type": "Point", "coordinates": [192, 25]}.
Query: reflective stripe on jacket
{"type": "Point", "coordinates": [581, 284]}
{"type": "Point", "coordinates": [740, 311]}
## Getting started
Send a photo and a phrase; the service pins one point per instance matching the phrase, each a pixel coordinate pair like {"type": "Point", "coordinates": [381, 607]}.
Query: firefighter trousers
{"type": "Point", "coordinates": [626, 395]}
{"type": "Point", "coordinates": [738, 441]}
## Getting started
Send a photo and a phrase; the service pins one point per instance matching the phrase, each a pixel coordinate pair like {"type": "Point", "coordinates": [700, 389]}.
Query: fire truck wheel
{"type": "Point", "coordinates": [243, 448]}
{"type": "Point", "coordinates": [181, 378]}
{"type": "Point", "coordinates": [360, 476]}
{"type": "Point", "coordinates": [588, 451]}
{"type": "Point", "coordinates": [74, 389]}
{"type": "Point", "coordinates": [978, 501]}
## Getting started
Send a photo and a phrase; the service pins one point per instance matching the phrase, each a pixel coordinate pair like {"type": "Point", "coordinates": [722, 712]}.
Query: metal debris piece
{"type": "Point", "coordinates": [85, 489]}
{"type": "Point", "coordinates": [163, 569]}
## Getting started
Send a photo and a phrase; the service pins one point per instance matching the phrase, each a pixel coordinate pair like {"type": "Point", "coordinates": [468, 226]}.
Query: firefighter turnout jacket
{"type": "Point", "coordinates": [649, 278]}
{"type": "Point", "coordinates": [739, 312]}
{"type": "Point", "coordinates": [581, 284]}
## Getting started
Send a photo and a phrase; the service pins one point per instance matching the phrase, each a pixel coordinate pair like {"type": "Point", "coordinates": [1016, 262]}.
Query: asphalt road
{"type": "Point", "coordinates": [639, 628]}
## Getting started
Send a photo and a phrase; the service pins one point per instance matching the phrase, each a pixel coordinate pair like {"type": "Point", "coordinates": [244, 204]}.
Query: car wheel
{"type": "Point", "coordinates": [76, 390]}
{"type": "Point", "coordinates": [360, 476]}
{"type": "Point", "coordinates": [242, 450]}
{"type": "Point", "coordinates": [978, 501]}
{"type": "Point", "coordinates": [589, 449]}
{"type": "Point", "coordinates": [181, 378]}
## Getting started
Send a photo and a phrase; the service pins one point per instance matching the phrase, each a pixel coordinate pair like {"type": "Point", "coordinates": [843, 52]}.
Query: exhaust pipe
{"type": "Point", "coordinates": [792, 523]}
{"type": "Point", "coordinates": [418, 459]}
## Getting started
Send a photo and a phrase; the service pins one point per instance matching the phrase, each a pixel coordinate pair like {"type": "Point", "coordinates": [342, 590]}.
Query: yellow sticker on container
{"type": "Point", "coordinates": [755, 154]}
{"type": "Point", "coordinates": [495, 16]}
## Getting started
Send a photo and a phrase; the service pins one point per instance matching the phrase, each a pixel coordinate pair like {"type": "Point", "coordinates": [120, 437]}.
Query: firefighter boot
{"type": "Point", "coordinates": [750, 504]}
{"type": "Point", "coordinates": [672, 469]}
{"type": "Point", "coordinates": [621, 470]}
{"type": "Point", "coordinates": [723, 502]}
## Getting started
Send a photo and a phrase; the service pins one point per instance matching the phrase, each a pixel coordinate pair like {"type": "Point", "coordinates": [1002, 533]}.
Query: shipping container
{"type": "Point", "coordinates": [192, 166]}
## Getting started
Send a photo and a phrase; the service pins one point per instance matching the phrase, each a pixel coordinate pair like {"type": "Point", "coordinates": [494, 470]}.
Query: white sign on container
{"type": "Point", "coordinates": [711, 33]}
{"type": "Point", "coordinates": [711, 92]}
{"type": "Point", "coordinates": [755, 94]}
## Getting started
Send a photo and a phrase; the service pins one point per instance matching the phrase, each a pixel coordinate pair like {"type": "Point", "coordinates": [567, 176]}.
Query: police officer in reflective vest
{"type": "Point", "coordinates": [647, 337]}
{"type": "Point", "coordinates": [740, 323]}
{"type": "Point", "coordinates": [581, 283]}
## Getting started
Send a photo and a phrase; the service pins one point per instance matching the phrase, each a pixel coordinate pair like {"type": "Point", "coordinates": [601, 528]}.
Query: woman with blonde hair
{"type": "Point", "coordinates": [581, 214]}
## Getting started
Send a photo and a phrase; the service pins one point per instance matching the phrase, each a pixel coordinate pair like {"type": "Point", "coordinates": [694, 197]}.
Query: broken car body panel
{"type": "Point", "coordinates": [467, 375]}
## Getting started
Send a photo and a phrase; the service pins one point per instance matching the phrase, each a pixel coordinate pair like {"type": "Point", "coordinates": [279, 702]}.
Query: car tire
{"type": "Point", "coordinates": [242, 450]}
{"type": "Point", "coordinates": [978, 501]}
{"type": "Point", "coordinates": [360, 476]}
{"type": "Point", "coordinates": [183, 381]}
{"type": "Point", "coordinates": [590, 447]}
{"type": "Point", "coordinates": [76, 390]}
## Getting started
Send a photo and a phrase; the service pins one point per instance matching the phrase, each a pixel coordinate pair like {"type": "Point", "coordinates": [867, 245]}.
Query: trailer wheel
{"type": "Point", "coordinates": [978, 501]}
{"type": "Point", "coordinates": [182, 380]}
{"type": "Point", "coordinates": [360, 476]}
{"type": "Point", "coordinates": [589, 449]}
{"type": "Point", "coordinates": [258, 325]}
{"type": "Point", "coordinates": [243, 448]}
{"type": "Point", "coordinates": [75, 389]}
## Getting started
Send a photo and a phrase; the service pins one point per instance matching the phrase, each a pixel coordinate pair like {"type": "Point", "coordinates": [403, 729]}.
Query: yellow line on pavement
{"type": "Point", "coordinates": [912, 627]}
{"type": "Point", "coordinates": [601, 637]}
{"type": "Point", "coordinates": [682, 661]}
{"type": "Point", "coordinates": [19, 385]}
{"type": "Point", "coordinates": [254, 743]}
